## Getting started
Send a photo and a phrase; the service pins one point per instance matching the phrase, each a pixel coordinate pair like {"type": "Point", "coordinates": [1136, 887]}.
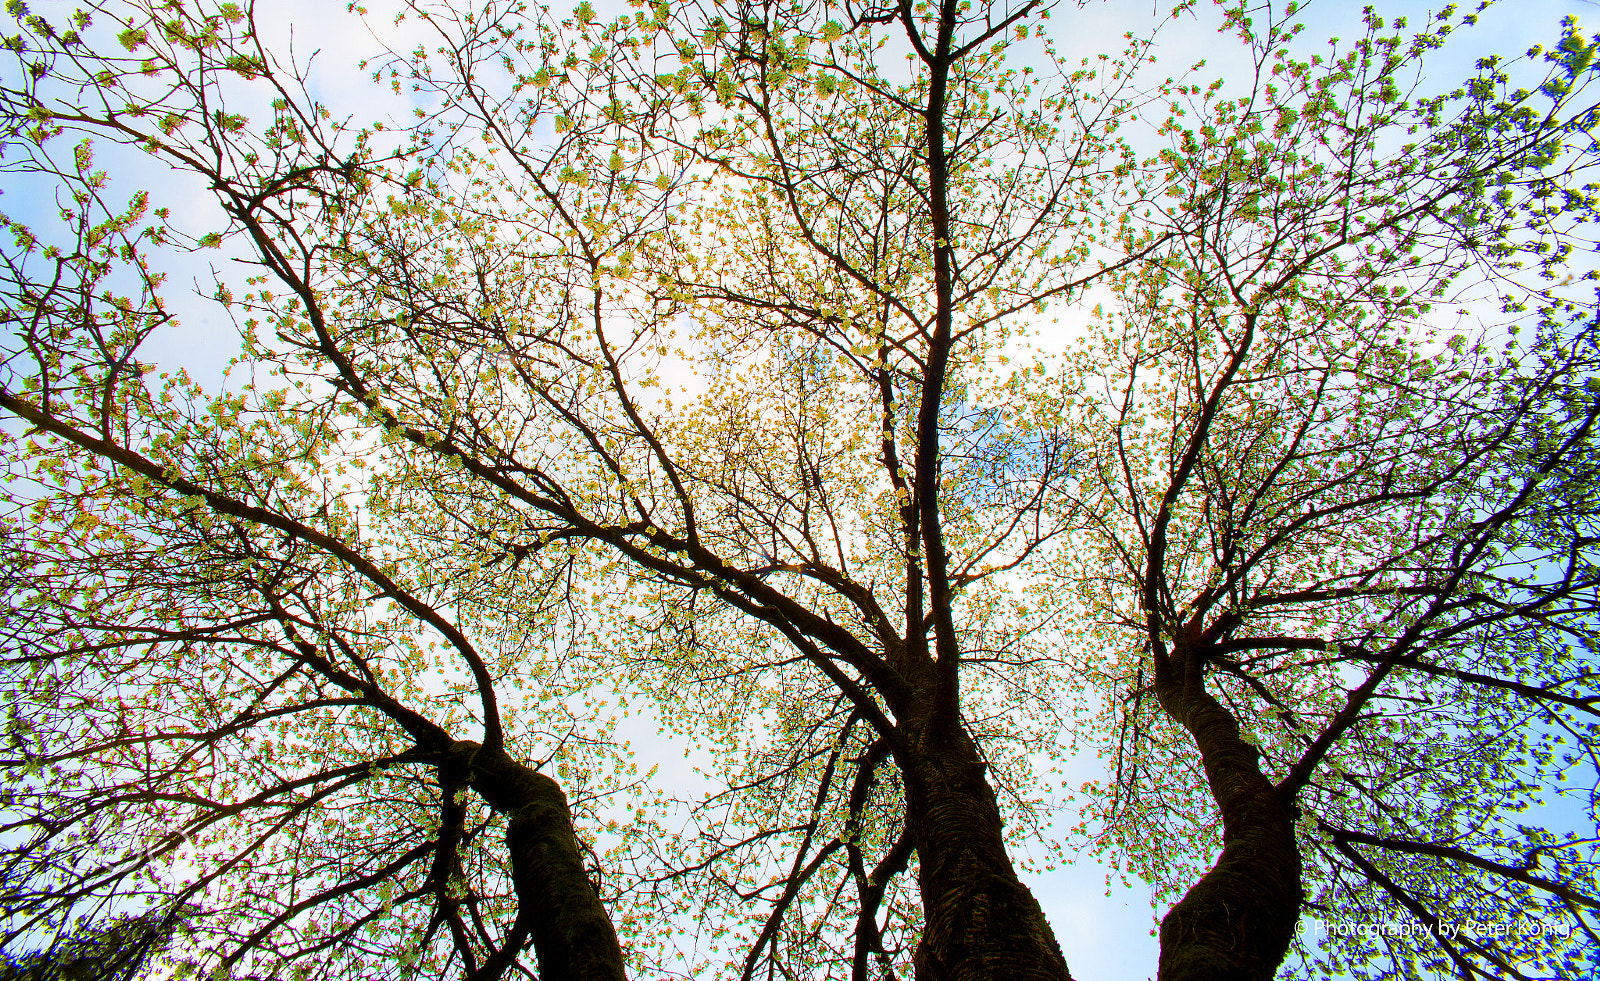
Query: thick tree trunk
{"type": "Point", "coordinates": [1237, 922]}
{"type": "Point", "coordinates": [556, 903]}
{"type": "Point", "coordinates": [981, 922]}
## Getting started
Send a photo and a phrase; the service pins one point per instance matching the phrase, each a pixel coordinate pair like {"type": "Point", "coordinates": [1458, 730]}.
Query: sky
{"type": "Point", "coordinates": [1104, 930]}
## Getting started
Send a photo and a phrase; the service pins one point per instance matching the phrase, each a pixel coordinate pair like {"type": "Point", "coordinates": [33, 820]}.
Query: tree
{"type": "Point", "coordinates": [489, 312]}
{"type": "Point", "coordinates": [118, 951]}
{"type": "Point", "coordinates": [1341, 553]}
{"type": "Point", "coordinates": [227, 694]}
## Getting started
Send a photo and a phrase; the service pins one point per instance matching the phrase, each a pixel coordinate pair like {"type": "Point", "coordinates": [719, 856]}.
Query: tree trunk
{"type": "Point", "coordinates": [556, 903]}
{"type": "Point", "coordinates": [1237, 922]}
{"type": "Point", "coordinates": [981, 922]}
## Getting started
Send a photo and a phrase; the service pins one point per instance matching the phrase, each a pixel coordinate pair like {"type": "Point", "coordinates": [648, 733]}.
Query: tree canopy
{"type": "Point", "coordinates": [889, 403]}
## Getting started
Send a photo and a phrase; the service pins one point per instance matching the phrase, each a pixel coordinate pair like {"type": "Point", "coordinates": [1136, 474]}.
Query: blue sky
{"type": "Point", "coordinates": [1104, 937]}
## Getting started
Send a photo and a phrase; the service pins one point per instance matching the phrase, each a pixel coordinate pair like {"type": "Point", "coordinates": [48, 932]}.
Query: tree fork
{"type": "Point", "coordinates": [1237, 921]}
{"type": "Point", "coordinates": [558, 906]}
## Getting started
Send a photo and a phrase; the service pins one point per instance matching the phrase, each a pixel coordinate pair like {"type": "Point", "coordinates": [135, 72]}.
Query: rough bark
{"type": "Point", "coordinates": [1237, 922]}
{"type": "Point", "coordinates": [981, 921]}
{"type": "Point", "coordinates": [557, 905]}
